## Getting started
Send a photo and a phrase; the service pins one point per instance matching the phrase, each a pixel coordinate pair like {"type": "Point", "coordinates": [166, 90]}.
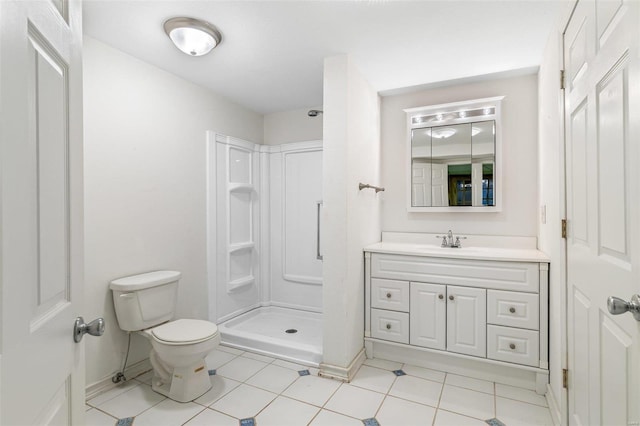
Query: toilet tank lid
{"type": "Point", "coordinates": [142, 281]}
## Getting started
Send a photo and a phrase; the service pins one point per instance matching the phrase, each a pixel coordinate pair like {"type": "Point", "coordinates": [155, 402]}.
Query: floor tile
{"type": "Point", "coordinates": [168, 413]}
{"type": "Point", "coordinates": [467, 402]}
{"type": "Point", "coordinates": [145, 377]}
{"type": "Point", "coordinates": [355, 402]}
{"type": "Point", "coordinates": [230, 350]}
{"type": "Point", "coordinates": [259, 357]}
{"type": "Point", "coordinates": [112, 393]}
{"type": "Point", "coordinates": [417, 390]}
{"type": "Point", "coordinates": [312, 389]}
{"type": "Point", "coordinates": [294, 366]}
{"type": "Point", "coordinates": [217, 359]}
{"type": "Point", "coordinates": [244, 401]}
{"type": "Point", "coordinates": [470, 383]}
{"type": "Point", "coordinates": [132, 402]}
{"type": "Point", "coordinates": [240, 368]}
{"type": "Point", "coordinates": [273, 378]}
{"type": "Point", "coordinates": [516, 413]}
{"type": "Point", "coordinates": [398, 412]}
{"type": "Point", "coordinates": [424, 373]}
{"type": "Point", "coordinates": [210, 417]}
{"type": "Point", "coordinates": [520, 394]}
{"type": "Point", "coordinates": [374, 379]}
{"type": "Point", "coordinates": [284, 411]}
{"type": "Point", "coordinates": [220, 387]}
{"type": "Point", "coordinates": [383, 363]}
{"type": "Point", "coordinates": [447, 418]}
{"type": "Point", "coordinates": [329, 418]}
{"type": "Point", "coordinates": [95, 417]}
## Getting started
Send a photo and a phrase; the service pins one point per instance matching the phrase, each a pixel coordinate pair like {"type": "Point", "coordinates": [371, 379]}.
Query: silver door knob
{"type": "Point", "coordinates": [94, 328]}
{"type": "Point", "coordinates": [617, 306]}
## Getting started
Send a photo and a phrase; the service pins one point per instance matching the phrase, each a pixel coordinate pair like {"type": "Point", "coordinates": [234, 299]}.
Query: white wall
{"type": "Point", "coordinates": [551, 196]}
{"type": "Point", "coordinates": [519, 136]}
{"type": "Point", "coordinates": [292, 126]}
{"type": "Point", "coordinates": [351, 218]}
{"type": "Point", "coordinates": [145, 199]}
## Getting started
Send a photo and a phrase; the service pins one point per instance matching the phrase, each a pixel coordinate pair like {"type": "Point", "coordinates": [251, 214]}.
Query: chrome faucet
{"type": "Point", "coordinates": [447, 240]}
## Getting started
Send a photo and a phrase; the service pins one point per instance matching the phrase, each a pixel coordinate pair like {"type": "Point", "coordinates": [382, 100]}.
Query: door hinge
{"type": "Point", "coordinates": [564, 228]}
{"type": "Point", "coordinates": [562, 79]}
{"type": "Point", "coordinates": [565, 378]}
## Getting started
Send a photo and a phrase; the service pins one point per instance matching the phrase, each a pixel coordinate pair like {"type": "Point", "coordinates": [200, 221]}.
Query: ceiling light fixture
{"type": "Point", "coordinates": [447, 132]}
{"type": "Point", "coordinates": [192, 36]}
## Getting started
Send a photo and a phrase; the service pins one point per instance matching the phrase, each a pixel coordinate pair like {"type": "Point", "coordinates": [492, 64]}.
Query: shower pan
{"type": "Point", "coordinates": [264, 248]}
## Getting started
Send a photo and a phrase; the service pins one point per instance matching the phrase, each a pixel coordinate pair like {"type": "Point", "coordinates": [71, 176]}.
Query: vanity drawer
{"type": "Point", "coordinates": [513, 309]}
{"type": "Point", "coordinates": [513, 345]}
{"type": "Point", "coordinates": [390, 325]}
{"type": "Point", "coordinates": [516, 276]}
{"type": "Point", "coordinates": [390, 294]}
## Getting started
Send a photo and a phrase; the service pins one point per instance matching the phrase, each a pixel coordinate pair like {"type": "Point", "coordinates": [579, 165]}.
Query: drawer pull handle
{"type": "Point", "coordinates": [388, 295]}
{"type": "Point", "coordinates": [512, 310]}
{"type": "Point", "coordinates": [512, 345]}
{"type": "Point", "coordinates": [451, 297]}
{"type": "Point", "coordinates": [440, 296]}
{"type": "Point", "coordinates": [388, 326]}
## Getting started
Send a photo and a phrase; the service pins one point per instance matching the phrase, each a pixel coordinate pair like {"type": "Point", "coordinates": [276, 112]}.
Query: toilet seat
{"type": "Point", "coordinates": [184, 332]}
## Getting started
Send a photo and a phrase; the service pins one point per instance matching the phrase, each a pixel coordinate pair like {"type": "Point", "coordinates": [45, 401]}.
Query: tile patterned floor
{"type": "Point", "coordinates": [251, 389]}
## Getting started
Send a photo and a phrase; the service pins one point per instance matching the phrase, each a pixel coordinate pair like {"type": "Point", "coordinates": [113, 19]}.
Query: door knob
{"type": "Point", "coordinates": [617, 306]}
{"type": "Point", "coordinates": [94, 328]}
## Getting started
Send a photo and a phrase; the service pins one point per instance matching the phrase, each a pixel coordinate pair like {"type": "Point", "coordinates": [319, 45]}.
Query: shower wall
{"type": "Point", "coordinates": [295, 202]}
{"type": "Point", "coordinates": [263, 225]}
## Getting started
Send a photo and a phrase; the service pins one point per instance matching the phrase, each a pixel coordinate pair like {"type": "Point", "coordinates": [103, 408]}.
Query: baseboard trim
{"type": "Point", "coordinates": [554, 408]}
{"type": "Point", "coordinates": [342, 373]}
{"type": "Point", "coordinates": [105, 384]}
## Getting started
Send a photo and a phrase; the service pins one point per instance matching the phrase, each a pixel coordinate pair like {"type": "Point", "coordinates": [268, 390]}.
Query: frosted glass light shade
{"type": "Point", "coordinates": [192, 36]}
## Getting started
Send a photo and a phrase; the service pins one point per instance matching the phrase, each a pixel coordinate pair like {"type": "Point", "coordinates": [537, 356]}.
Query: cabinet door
{"type": "Point", "coordinates": [467, 320]}
{"type": "Point", "coordinates": [428, 315]}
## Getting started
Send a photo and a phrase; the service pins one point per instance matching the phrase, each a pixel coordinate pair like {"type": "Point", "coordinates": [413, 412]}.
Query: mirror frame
{"type": "Point", "coordinates": [436, 115]}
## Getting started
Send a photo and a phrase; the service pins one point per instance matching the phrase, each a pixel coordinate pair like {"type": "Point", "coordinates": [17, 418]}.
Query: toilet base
{"type": "Point", "coordinates": [187, 383]}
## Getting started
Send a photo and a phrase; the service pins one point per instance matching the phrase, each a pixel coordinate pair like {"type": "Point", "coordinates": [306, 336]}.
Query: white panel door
{"type": "Point", "coordinates": [428, 315]}
{"type": "Point", "coordinates": [602, 116]}
{"type": "Point", "coordinates": [439, 185]}
{"type": "Point", "coordinates": [420, 184]}
{"type": "Point", "coordinates": [467, 320]}
{"type": "Point", "coordinates": [41, 196]}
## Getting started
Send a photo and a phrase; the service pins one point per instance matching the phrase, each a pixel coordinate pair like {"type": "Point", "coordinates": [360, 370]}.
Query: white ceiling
{"type": "Point", "coordinates": [271, 56]}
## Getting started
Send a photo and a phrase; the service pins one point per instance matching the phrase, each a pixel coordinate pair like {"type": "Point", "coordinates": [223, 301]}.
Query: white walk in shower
{"type": "Point", "coordinates": [264, 250]}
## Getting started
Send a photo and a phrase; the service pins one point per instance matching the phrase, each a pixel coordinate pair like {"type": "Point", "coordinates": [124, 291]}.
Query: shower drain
{"type": "Point", "coordinates": [291, 331]}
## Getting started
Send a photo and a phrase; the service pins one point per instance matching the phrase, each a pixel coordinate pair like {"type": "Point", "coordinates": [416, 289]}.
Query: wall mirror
{"type": "Point", "coordinates": [454, 157]}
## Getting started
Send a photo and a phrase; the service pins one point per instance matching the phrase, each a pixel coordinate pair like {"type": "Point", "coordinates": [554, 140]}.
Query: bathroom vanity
{"type": "Point", "coordinates": [481, 310]}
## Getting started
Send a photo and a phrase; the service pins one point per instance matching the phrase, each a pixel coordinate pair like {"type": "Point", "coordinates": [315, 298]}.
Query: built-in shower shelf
{"type": "Point", "coordinates": [241, 246]}
{"type": "Point", "coordinates": [240, 283]}
{"type": "Point", "coordinates": [240, 187]}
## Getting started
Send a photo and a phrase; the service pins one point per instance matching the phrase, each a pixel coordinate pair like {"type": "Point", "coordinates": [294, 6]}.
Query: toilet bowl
{"type": "Point", "coordinates": [145, 304]}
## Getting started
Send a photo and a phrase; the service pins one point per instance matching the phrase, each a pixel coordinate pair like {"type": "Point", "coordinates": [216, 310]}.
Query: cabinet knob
{"type": "Point", "coordinates": [388, 326]}
{"type": "Point", "coordinates": [512, 310]}
{"type": "Point", "coordinates": [512, 345]}
{"type": "Point", "coordinates": [441, 296]}
{"type": "Point", "coordinates": [451, 297]}
{"type": "Point", "coordinates": [388, 295]}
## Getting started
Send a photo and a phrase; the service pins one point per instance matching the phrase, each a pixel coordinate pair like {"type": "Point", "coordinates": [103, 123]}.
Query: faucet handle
{"type": "Point", "coordinates": [444, 240]}
{"type": "Point", "coordinates": [458, 243]}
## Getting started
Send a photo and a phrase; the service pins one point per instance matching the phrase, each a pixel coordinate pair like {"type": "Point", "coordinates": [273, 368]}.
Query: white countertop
{"type": "Point", "coordinates": [473, 253]}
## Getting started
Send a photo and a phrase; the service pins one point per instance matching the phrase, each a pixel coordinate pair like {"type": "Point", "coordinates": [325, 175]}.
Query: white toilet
{"type": "Point", "coordinates": [146, 303]}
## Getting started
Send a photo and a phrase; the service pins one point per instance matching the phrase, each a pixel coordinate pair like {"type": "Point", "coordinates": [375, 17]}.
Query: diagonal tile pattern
{"type": "Point", "coordinates": [253, 388]}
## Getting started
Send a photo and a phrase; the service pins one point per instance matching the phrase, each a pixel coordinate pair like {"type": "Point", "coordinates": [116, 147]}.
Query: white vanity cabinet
{"type": "Point", "coordinates": [449, 318]}
{"type": "Point", "coordinates": [493, 310]}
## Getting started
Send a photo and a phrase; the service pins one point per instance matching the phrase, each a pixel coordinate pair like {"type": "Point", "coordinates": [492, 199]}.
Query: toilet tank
{"type": "Point", "coordinates": [145, 300]}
